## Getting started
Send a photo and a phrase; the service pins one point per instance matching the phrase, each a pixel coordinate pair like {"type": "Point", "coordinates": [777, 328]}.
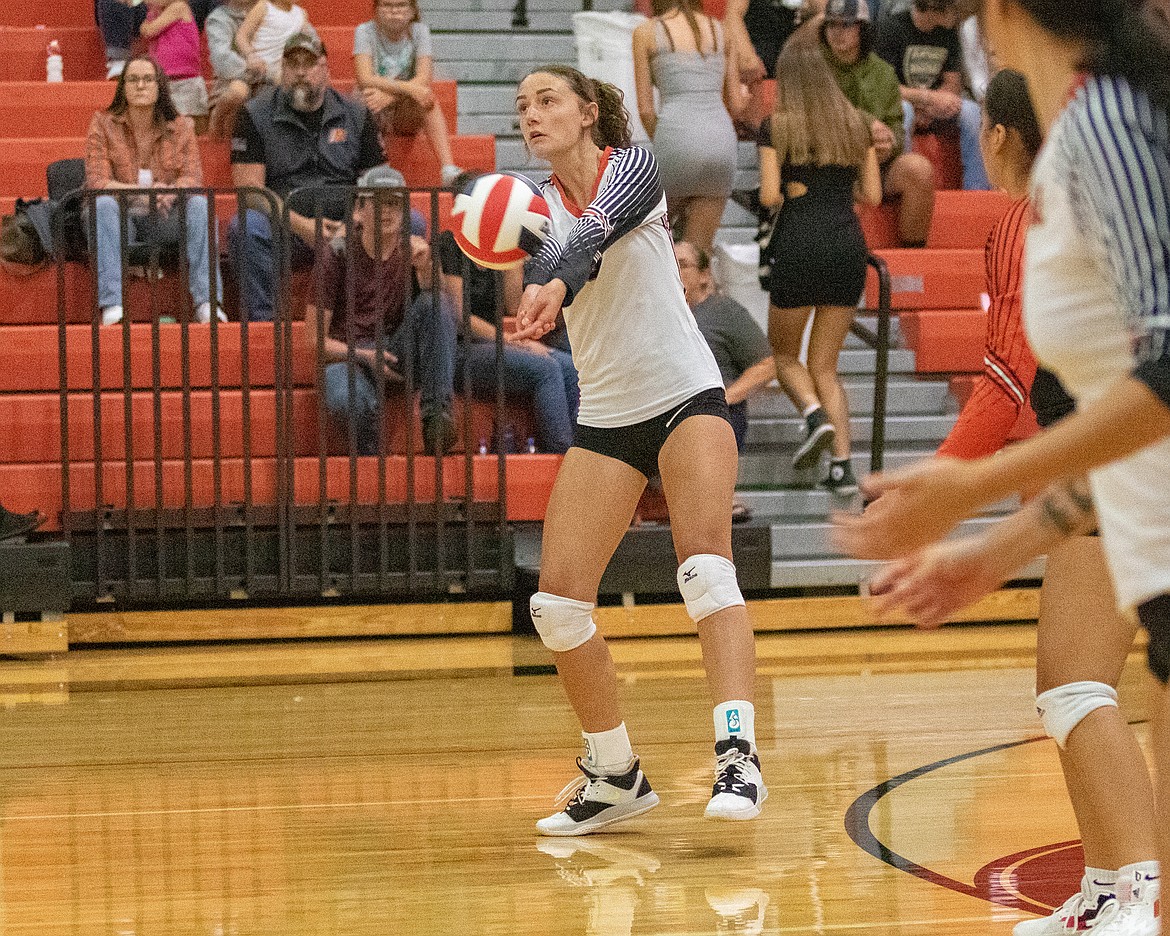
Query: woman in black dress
{"type": "Point", "coordinates": [816, 159]}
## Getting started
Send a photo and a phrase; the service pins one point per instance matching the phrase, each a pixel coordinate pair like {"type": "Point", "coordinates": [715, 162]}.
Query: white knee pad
{"type": "Point", "coordinates": [1063, 708]}
{"type": "Point", "coordinates": [708, 584]}
{"type": "Point", "coordinates": [563, 624]}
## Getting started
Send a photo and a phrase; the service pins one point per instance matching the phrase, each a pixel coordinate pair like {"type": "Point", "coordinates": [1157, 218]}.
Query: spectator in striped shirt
{"type": "Point", "coordinates": [1097, 311]}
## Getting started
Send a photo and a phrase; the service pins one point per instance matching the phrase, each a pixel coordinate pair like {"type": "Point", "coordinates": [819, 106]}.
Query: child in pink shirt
{"type": "Point", "coordinates": [173, 36]}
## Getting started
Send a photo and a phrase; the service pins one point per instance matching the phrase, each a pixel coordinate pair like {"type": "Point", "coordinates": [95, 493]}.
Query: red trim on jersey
{"type": "Point", "coordinates": [570, 205]}
{"type": "Point", "coordinates": [1000, 396]}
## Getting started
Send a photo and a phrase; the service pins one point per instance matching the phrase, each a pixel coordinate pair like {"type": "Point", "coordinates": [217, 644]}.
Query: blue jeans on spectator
{"type": "Point", "coordinates": [547, 381]}
{"type": "Point", "coordinates": [163, 231]}
{"type": "Point", "coordinates": [427, 338]}
{"type": "Point", "coordinates": [970, 122]}
{"type": "Point", "coordinates": [118, 24]}
{"type": "Point", "coordinates": [255, 263]}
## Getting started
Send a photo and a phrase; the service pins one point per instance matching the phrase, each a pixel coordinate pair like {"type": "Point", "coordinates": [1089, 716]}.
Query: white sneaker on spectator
{"type": "Point", "coordinates": [203, 314]}
{"type": "Point", "coordinates": [111, 315]}
{"type": "Point", "coordinates": [114, 69]}
{"type": "Point", "coordinates": [450, 173]}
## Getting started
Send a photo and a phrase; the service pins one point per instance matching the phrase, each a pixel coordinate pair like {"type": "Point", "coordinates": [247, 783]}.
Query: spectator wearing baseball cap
{"type": "Point", "coordinates": [301, 134]}
{"type": "Point", "coordinates": [871, 85]}
{"type": "Point", "coordinates": [373, 316]}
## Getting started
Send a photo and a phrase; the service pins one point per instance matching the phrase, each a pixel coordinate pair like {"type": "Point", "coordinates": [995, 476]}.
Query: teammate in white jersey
{"type": "Point", "coordinates": [652, 402]}
{"type": "Point", "coordinates": [1097, 312]}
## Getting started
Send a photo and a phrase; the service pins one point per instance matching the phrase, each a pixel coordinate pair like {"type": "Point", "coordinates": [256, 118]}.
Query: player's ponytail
{"type": "Point", "coordinates": [612, 127]}
{"type": "Point", "coordinates": [1121, 39]}
{"type": "Point", "coordinates": [613, 120]}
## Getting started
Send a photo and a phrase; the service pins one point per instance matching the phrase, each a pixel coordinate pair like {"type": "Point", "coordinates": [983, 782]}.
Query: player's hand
{"type": "Point", "coordinates": [539, 308]}
{"type": "Point", "coordinates": [931, 585]}
{"type": "Point", "coordinates": [910, 509]}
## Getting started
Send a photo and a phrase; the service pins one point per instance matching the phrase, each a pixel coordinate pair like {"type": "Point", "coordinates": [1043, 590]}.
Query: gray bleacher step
{"type": "Point", "coordinates": [504, 73]}
{"type": "Point", "coordinates": [842, 572]}
{"type": "Point", "coordinates": [499, 21]}
{"type": "Point", "coordinates": [772, 468]}
{"type": "Point", "coordinates": [862, 362]}
{"type": "Point", "coordinates": [517, 46]}
{"type": "Point", "coordinates": [494, 124]}
{"type": "Point", "coordinates": [903, 398]}
{"type": "Point", "coordinates": [436, 9]}
{"type": "Point", "coordinates": [810, 539]}
{"type": "Point", "coordinates": [792, 504]}
{"type": "Point", "coordinates": [789, 432]}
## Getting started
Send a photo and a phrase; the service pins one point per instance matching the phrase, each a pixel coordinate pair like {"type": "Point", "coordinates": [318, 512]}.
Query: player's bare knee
{"type": "Point", "coordinates": [708, 585]}
{"type": "Point", "coordinates": [1063, 708]}
{"type": "Point", "coordinates": [563, 623]}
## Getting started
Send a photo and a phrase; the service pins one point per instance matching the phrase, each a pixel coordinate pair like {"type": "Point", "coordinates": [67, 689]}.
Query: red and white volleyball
{"type": "Point", "coordinates": [500, 221]}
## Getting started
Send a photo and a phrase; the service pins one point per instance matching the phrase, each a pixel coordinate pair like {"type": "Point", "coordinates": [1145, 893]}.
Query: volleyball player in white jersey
{"type": "Point", "coordinates": [652, 402]}
{"type": "Point", "coordinates": [1097, 312]}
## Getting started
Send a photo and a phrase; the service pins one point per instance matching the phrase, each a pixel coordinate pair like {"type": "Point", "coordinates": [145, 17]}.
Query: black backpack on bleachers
{"type": "Point", "coordinates": [65, 177]}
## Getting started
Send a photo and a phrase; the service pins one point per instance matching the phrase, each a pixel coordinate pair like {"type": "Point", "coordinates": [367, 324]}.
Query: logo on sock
{"type": "Point", "coordinates": [733, 723]}
{"type": "Point", "coordinates": [689, 575]}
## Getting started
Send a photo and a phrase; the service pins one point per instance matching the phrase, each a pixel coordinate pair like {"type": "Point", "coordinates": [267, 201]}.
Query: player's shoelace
{"type": "Point", "coordinates": [577, 790]}
{"type": "Point", "coordinates": [729, 772]}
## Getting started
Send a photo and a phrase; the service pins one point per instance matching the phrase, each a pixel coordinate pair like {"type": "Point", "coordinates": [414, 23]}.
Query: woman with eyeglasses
{"type": "Point", "coordinates": [141, 142]}
{"type": "Point", "coordinates": [1097, 311]}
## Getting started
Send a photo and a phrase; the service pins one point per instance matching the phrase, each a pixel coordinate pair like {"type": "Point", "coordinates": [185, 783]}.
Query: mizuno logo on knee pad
{"type": "Point", "coordinates": [708, 584]}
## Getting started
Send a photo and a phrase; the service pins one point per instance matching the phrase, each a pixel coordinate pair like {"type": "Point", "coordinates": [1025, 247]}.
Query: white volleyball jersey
{"type": "Point", "coordinates": [1097, 299]}
{"type": "Point", "coordinates": [636, 346]}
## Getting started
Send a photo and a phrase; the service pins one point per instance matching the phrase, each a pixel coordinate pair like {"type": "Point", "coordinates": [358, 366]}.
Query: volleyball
{"type": "Point", "coordinates": [500, 220]}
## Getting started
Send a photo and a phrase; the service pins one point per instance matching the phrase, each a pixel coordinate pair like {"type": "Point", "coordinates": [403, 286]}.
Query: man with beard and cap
{"type": "Point", "coordinates": [300, 134]}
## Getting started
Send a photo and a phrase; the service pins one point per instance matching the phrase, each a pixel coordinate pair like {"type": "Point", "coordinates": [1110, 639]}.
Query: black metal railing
{"type": "Point", "coordinates": [878, 338]}
{"type": "Point", "coordinates": [194, 477]}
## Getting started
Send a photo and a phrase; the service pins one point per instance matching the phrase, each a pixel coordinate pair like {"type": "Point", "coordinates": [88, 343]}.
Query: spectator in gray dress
{"type": "Point", "coordinates": [682, 52]}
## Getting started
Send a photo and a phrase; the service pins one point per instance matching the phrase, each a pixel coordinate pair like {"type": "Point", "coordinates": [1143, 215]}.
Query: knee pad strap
{"type": "Point", "coordinates": [563, 624]}
{"type": "Point", "coordinates": [1063, 708]}
{"type": "Point", "coordinates": [708, 584]}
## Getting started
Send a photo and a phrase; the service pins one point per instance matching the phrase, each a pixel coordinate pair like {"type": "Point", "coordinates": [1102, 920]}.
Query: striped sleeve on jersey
{"type": "Point", "coordinates": [1001, 391]}
{"type": "Point", "coordinates": [630, 192]}
{"type": "Point", "coordinates": [1120, 150]}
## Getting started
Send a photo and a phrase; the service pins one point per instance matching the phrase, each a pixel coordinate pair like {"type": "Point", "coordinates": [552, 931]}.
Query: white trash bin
{"type": "Point", "coordinates": [605, 50]}
{"type": "Point", "coordinates": [736, 271]}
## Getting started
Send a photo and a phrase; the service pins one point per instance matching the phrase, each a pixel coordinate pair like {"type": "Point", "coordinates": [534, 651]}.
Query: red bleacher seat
{"type": "Point", "coordinates": [22, 50]}
{"type": "Point", "coordinates": [945, 340]}
{"type": "Point", "coordinates": [932, 279]}
{"type": "Point", "coordinates": [961, 220]}
{"type": "Point", "coordinates": [38, 487]}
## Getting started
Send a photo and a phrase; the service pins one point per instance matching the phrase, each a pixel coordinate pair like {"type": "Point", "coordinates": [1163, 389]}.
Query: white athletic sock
{"type": "Point", "coordinates": [1133, 878]}
{"type": "Point", "coordinates": [736, 717]}
{"type": "Point", "coordinates": [810, 409]}
{"type": "Point", "coordinates": [1100, 881]}
{"type": "Point", "coordinates": [608, 751]}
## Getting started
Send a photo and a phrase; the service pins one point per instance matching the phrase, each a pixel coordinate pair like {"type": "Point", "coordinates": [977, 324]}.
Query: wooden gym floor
{"type": "Point", "coordinates": [389, 786]}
